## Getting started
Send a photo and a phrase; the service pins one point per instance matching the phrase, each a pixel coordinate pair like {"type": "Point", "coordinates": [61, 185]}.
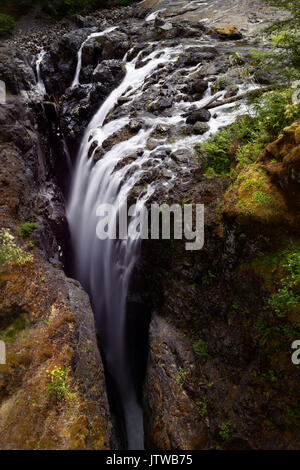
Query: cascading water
{"type": "Point", "coordinates": [104, 266]}
{"type": "Point", "coordinates": [79, 55]}
{"type": "Point", "coordinates": [40, 82]}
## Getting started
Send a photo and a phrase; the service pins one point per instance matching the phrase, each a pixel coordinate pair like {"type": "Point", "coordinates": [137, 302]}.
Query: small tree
{"type": "Point", "coordinates": [285, 32]}
{"type": "Point", "coordinates": [7, 25]}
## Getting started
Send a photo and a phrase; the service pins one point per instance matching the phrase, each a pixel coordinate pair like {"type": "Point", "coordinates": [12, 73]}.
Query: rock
{"type": "Point", "coordinates": [200, 127]}
{"type": "Point", "coordinates": [109, 73]}
{"type": "Point", "coordinates": [232, 91]}
{"type": "Point", "coordinates": [162, 103]}
{"type": "Point", "coordinates": [57, 332]}
{"type": "Point", "coordinates": [297, 135]}
{"type": "Point", "coordinates": [282, 160]}
{"type": "Point", "coordinates": [230, 32]}
{"type": "Point", "coordinates": [16, 70]}
{"type": "Point", "coordinates": [114, 45]}
{"type": "Point", "coordinates": [264, 78]}
{"type": "Point", "coordinates": [199, 86]}
{"type": "Point", "coordinates": [168, 407]}
{"type": "Point", "coordinates": [202, 115]}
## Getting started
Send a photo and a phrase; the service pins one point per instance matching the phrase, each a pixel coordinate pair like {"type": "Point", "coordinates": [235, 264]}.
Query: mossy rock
{"type": "Point", "coordinates": [253, 197]}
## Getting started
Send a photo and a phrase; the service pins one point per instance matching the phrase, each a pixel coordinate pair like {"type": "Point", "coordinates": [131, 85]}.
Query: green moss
{"type": "Point", "coordinates": [181, 375]}
{"type": "Point", "coordinates": [27, 229]}
{"type": "Point", "coordinates": [11, 332]}
{"type": "Point", "coordinates": [202, 408]}
{"type": "Point", "coordinates": [201, 349]}
{"type": "Point", "coordinates": [226, 431]}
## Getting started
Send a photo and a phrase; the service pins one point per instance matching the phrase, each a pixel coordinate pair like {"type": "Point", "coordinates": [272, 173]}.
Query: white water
{"type": "Point", "coordinates": [40, 82]}
{"type": "Point", "coordinates": [104, 267]}
{"type": "Point", "coordinates": [79, 54]}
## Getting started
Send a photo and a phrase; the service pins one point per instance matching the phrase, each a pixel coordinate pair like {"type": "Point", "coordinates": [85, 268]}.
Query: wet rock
{"type": "Point", "coordinates": [114, 45]}
{"type": "Point", "coordinates": [199, 86]}
{"type": "Point", "coordinates": [109, 72]}
{"type": "Point", "coordinates": [200, 127]}
{"type": "Point", "coordinates": [162, 104]}
{"type": "Point", "coordinates": [202, 115]}
{"type": "Point", "coordinates": [16, 70]}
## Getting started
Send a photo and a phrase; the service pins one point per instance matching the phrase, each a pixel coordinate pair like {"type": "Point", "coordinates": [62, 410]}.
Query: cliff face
{"type": "Point", "coordinates": [52, 388]}
{"type": "Point", "coordinates": [219, 370]}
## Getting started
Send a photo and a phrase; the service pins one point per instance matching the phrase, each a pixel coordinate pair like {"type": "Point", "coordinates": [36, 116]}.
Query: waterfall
{"type": "Point", "coordinates": [40, 82]}
{"type": "Point", "coordinates": [79, 54]}
{"type": "Point", "coordinates": [104, 266]}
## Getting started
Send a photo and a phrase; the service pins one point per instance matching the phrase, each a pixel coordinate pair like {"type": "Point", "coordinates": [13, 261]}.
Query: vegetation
{"type": "Point", "coordinates": [226, 431]}
{"type": "Point", "coordinates": [287, 296]}
{"type": "Point", "coordinates": [56, 8]}
{"type": "Point", "coordinates": [285, 33]}
{"type": "Point", "coordinates": [10, 253]}
{"type": "Point", "coordinates": [181, 374]}
{"type": "Point", "coordinates": [7, 25]}
{"type": "Point", "coordinates": [9, 334]}
{"type": "Point", "coordinates": [201, 349]}
{"type": "Point", "coordinates": [58, 382]}
{"type": "Point", "coordinates": [202, 408]}
{"type": "Point", "coordinates": [27, 229]}
{"type": "Point", "coordinates": [236, 146]}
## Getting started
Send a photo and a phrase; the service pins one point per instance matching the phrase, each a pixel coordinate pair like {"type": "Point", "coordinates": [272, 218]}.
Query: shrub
{"type": "Point", "coordinates": [287, 296]}
{"type": "Point", "coordinates": [57, 385]}
{"type": "Point", "coordinates": [284, 32]}
{"type": "Point", "coordinates": [10, 253]}
{"type": "Point", "coordinates": [201, 349]}
{"type": "Point", "coordinates": [226, 431]}
{"type": "Point", "coordinates": [7, 25]}
{"type": "Point", "coordinates": [181, 374]}
{"type": "Point", "coordinates": [273, 112]}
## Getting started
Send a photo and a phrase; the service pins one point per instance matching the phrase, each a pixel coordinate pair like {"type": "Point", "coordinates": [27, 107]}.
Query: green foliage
{"type": "Point", "coordinates": [273, 112]}
{"type": "Point", "coordinates": [7, 25]}
{"type": "Point", "coordinates": [10, 253]}
{"type": "Point", "coordinates": [10, 333]}
{"type": "Point", "coordinates": [226, 431]}
{"type": "Point", "coordinates": [27, 229]}
{"type": "Point", "coordinates": [201, 349]}
{"type": "Point", "coordinates": [181, 374]}
{"type": "Point", "coordinates": [285, 33]}
{"type": "Point", "coordinates": [202, 408]}
{"type": "Point", "coordinates": [58, 382]}
{"type": "Point", "coordinates": [287, 296]}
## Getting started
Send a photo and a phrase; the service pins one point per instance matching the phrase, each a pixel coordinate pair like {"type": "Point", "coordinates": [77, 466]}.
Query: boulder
{"type": "Point", "coordinates": [202, 115]}
{"type": "Point", "coordinates": [229, 32]}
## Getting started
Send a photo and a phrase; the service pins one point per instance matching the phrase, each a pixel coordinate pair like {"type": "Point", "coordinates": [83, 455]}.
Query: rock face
{"type": "Point", "coordinates": [52, 388]}
{"type": "Point", "coordinates": [282, 159]}
{"type": "Point", "coordinates": [57, 333]}
{"type": "Point", "coordinates": [219, 357]}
